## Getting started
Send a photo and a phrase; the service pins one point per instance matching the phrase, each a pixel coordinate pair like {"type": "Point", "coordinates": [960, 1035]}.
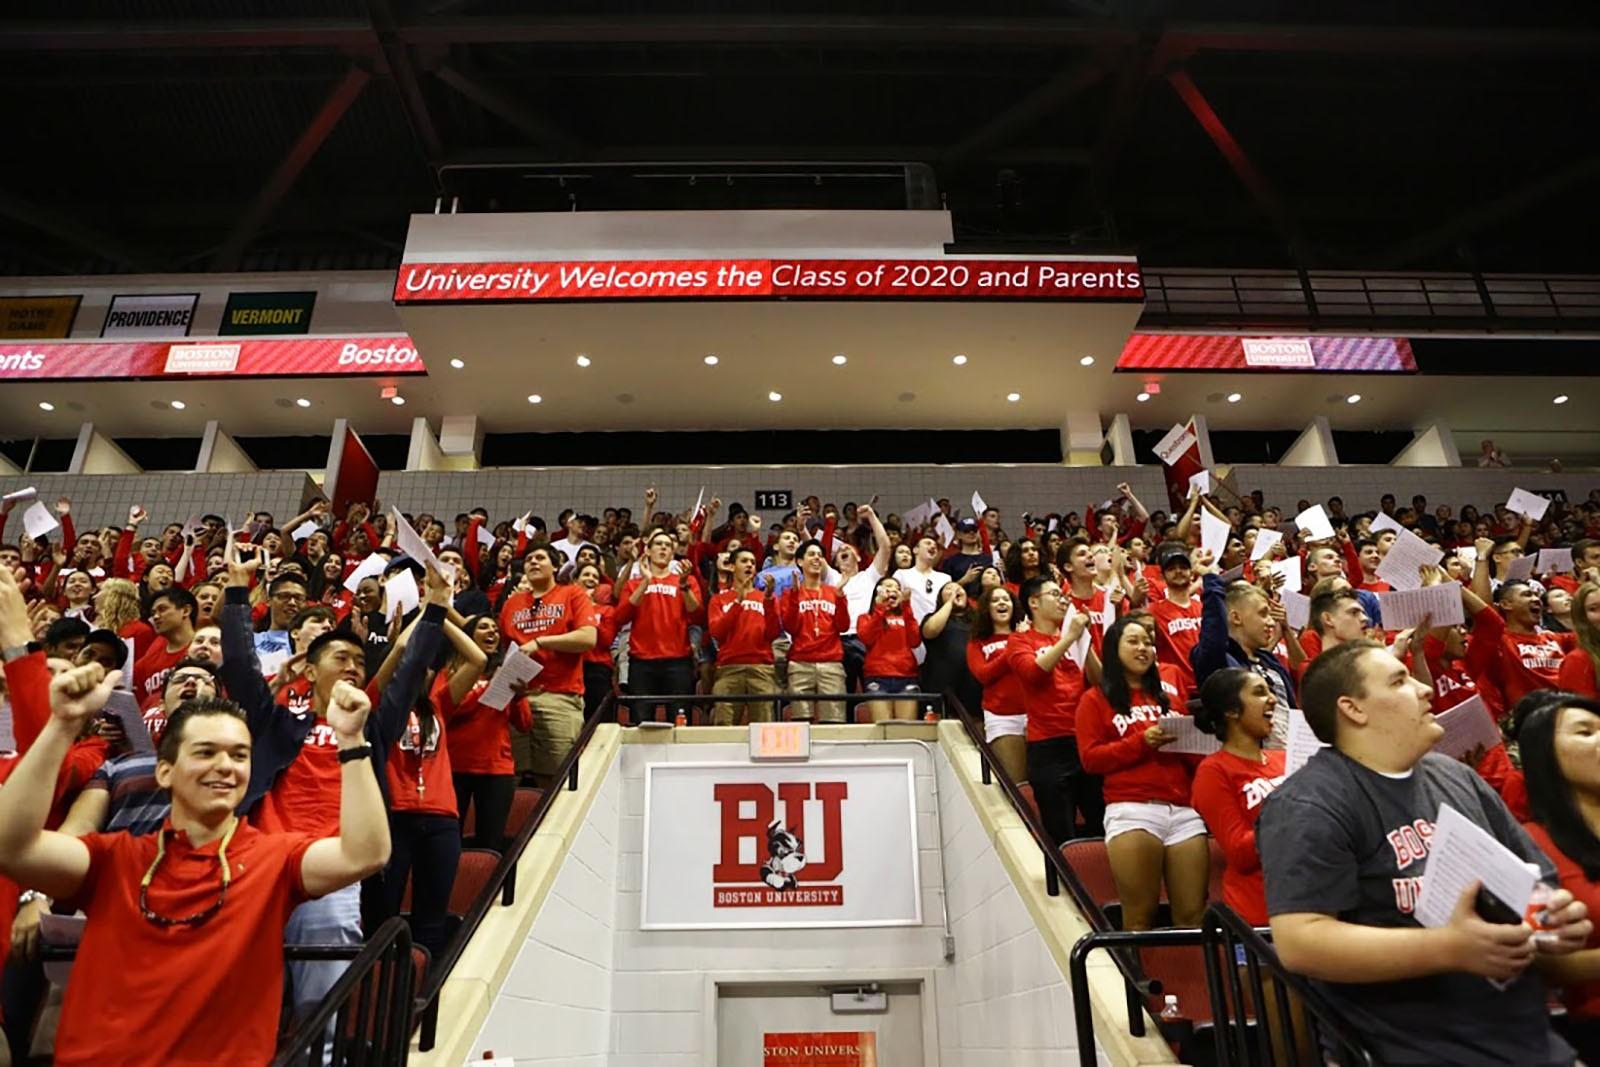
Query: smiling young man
{"type": "Point", "coordinates": [206, 898]}
{"type": "Point", "coordinates": [172, 615]}
{"type": "Point", "coordinates": [1344, 847]}
{"type": "Point", "coordinates": [744, 623]}
{"type": "Point", "coordinates": [556, 625]}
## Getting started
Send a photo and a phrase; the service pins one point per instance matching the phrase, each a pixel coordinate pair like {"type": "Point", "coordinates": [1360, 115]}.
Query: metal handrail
{"type": "Point", "coordinates": [1057, 872]}
{"type": "Point", "coordinates": [367, 1013]}
{"type": "Point", "coordinates": [502, 882]}
{"type": "Point", "coordinates": [1119, 944]}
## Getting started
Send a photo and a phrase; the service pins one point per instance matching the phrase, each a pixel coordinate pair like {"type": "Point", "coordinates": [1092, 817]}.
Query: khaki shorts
{"type": "Point", "coordinates": [817, 678]}
{"type": "Point", "coordinates": [743, 679]}
{"type": "Point", "coordinates": [557, 718]}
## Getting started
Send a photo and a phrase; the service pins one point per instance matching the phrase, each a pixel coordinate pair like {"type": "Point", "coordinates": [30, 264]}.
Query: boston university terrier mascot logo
{"type": "Point", "coordinates": [768, 859]}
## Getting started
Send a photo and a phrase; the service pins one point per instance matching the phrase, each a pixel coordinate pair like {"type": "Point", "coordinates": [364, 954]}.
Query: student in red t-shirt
{"type": "Point", "coordinates": [481, 765]}
{"type": "Point", "coordinates": [1237, 706]}
{"type": "Point", "coordinates": [660, 603]}
{"type": "Point", "coordinates": [1530, 657]}
{"type": "Point", "coordinates": [1076, 561]}
{"type": "Point", "coordinates": [1577, 674]}
{"type": "Point", "coordinates": [1052, 671]}
{"type": "Point", "coordinates": [891, 635]}
{"type": "Point", "coordinates": [554, 624]}
{"type": "Point", "coordinates": [176, 919]}
{"type": "Point", "coordinates": [1152, 834]}
{"type": "Point", "coordinates": [815, 615]}
{"type": "Point", "coordinates": [1005, 716]}
{"type": "Point", "coordinates": [743, 622]}
{"type": "Point", "coordinates": [172, 615]}
{"type": "Point", "coordinates": [598, 668]}
{"type": "Point", "coordinates": [1176, 607]}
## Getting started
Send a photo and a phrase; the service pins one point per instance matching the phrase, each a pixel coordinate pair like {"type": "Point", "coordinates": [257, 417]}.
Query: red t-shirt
{"type": "Point", "coordinates": [1101, 615]}
{"type": "Point", "coordinates": [295, 696]}
{"type": "Point", "coordinates": [1049, 698]}
{"type": "Point", "coordinates": [480, 736]}
{"type": "Point", "coordinates": [1582, 1001]}
{"type": "Point", "coordinates": [1227, 792]}
{"type": "Point", "coordinates": [1577, 674]}
{"type": "Point", "coordinates": [889, 640]}
{"type": "Point", "coordinates": [660, 619]}
{"type": "Point", "coordinates": [814, 619]}
{"type": "Point", "coordinates": [305, 798]}
{"type": "Point", "coordinates": [743, 626]}
{"type": "Point", "coordinates": [987, 662]}
{"type": "Point", "coordinates": [419, 774]}
{"type": "Point", "coordinates": [164, 996]}
{"type": "Point", "coordinates": [151, 670]}
{"type": "Point", "coordinates": [1111, 744]}
{"type": "Point", "coordinates": [605, 614]}
{"type": "Point", "coordinates": [1531, 661]}
{"type": "Point", "coordinates": [563, 609]}
{"type": "Point", "coordinates": [1177, 632]}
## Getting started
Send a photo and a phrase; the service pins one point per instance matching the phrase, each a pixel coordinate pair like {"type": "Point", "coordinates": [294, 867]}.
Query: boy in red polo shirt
{"type": "Point", "coordinates": [743, 623]}
{"type": "Point", "coordinates": [204, 901]}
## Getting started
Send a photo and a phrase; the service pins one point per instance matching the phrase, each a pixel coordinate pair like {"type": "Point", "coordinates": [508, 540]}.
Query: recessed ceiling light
{"type": "Point", "coordinates": [1234, 398]}
{"type": "Point", "coordinates": [960, 361]}
{"type": "Point", "coordinates": [712, 361]}
{"type": "Point", "coordinates": [1086, 361]}
{"type": "Point", "coordinates": [178, 405]}
{"type": "Point", "coordinates": [1562, 399]}
{"type": "Point", "coordinates": [840, 360]}
{"type": "Point", "coordinates": [774, 397]}
{"type": "Point", "coordinates": [458, 363]}
{"type": "Point", "coordinates": [302, 402]}
{"type": "Point", "coordinates": [1013, 397]}
{"type": "Point", "coordinates": [535, 398]}
{"type": "Point", "coordinates": [397, 400]}
{"type": "Point", "coordinates": [45, 405]}
{"type": "Point", "coordinates": [1353, 398]}
{"type": "Point", "coordinates": [583, 361]}
{"type": "Point", "coordinates": [1142, 397]}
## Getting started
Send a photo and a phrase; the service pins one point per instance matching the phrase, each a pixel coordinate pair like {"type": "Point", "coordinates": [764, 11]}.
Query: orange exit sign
{"type": "Point", "coordinates": [780, 741]}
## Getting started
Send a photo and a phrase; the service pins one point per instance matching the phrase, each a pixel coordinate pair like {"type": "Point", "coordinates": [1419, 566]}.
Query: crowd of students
{"type": "Point", "coordinates": [273, 664]}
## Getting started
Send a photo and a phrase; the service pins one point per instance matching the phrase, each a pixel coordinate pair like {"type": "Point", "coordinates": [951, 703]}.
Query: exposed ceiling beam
{"type": "Point", "coordinates": [1499, 210]}
{"type": "Point", "coordinates": [538, 129]}
{"type": "Point", "coordinates": [1038, 105]}
{"type": "Point", "coordinates": [130, 35]}
{"type": "Point", "coordinates": [290, 167]}
{"type": "Point", "coordinates": [70, 231]}
{"type": "Point", "coordinates": [397, 55]}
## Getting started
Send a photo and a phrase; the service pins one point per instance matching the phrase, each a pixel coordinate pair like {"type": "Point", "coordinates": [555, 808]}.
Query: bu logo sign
{"type": "Point", "coordinates": [792, 862]}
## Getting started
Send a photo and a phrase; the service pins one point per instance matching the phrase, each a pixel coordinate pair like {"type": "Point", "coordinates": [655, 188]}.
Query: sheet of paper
{"type": "Point", "coordinates": [8, 734]}
{"type": "Point", "coordinates": [1190, 738]}
{"type": "Point", "coordinates": [272, 662]}
{"type": "Point", "coordinates": [1292, 576]}
{"type": "Point", "coordinates": [1314, 521]}
{"type": "Point", "coordinates": [978, 506]}
{"type": "Point", "coordinates": [125, 706]}
{"type": "Point", "coordinates": [1265, 539]}
{"type": "Point", "coordinates": [1467, 554]}
{"type": "Point", "coordinates": [1460, 852]}
{"type": "Point", "coordinates": [38, 521]}
{"type": "Point", "coordinates": [1302, 744]}
{"type": "Point", "coordinates": [916, 516]}
{"type": "Point", "coordinates": [1298, 608]}
{"type": "Point", "coordinates": [126, 681]}
{"type": "Point", "coordinates": [1530, 504]}
{"type": "Point", "coordinates": [21, 494]}
{"type": "Point", "coordinates": [403, 594]}
{"type": "Point", "coordinates": [947, 532]}
{"type": "Point", "coordinates": [517, 668]}
{"type": "Point", "coordinates": [520, 523]}
{"type": "Point", "coordinates": [1078, 651]}
{"type": "Point", "coordinates": [1232, 574]}
{"type": "Point", "coordinates": [1383, 521]}
{"type": "Point", "coordinates": [1467, 727]}
{"type": "Point", "coordinates": [412, 544]}
{"type": "Point", "coordinates": [485, 538]}
{"type": "Point", "coordinates": [1521, 567]}
{"type": "Point", "coordinates": [1214, 533]}
{"type": "Point", "coordinates": [304, 530]}
{"type": "Point", "coordinates": [371, 567]}
{"type": "Point", "coordinates": [1200, 483]}
{"type": "Point", "coordinates": [1051, 525]}
{"type": "Point", "coordinates": [1554, 561]}
{"type": "Point", "coordinates": [1174, 444]}
{"type": "Point", "coordinates": [1406, 608]}
{"type": "Point", "coordinates": [1401, 568]}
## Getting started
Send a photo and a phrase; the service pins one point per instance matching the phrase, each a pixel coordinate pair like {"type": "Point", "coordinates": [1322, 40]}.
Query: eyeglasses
{"type": "Point", "coordinates": [290, 598]}
{"type": "Point", "coordinates": [200, 916]}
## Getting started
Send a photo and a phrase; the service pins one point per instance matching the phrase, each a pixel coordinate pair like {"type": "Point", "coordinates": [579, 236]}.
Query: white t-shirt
{"type": "Point", "coordinates": [568, 549]}
{"type": "Point", "coordinates": [857, 590]}
{"type": "Point", "coordinates": [923, 588]}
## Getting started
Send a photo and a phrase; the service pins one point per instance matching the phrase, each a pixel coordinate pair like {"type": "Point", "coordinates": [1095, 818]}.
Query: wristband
{"type": "Point", "coordinates": [12, 653]}
{"type": "Point", "coordinates": [350, 755]}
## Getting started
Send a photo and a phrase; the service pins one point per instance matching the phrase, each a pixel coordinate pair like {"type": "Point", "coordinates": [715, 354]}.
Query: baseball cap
{"type": "Point", "coordinates": [967, 525]}
{"type": "Point", "coordinates": [1174, 556]}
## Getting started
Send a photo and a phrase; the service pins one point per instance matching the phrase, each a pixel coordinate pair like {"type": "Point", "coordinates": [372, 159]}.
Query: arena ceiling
{"type": "Point", "coordinates": [161, 135]}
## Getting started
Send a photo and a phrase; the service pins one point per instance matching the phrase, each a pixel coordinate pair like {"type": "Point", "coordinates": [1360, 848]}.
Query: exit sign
{"type": "Point", "coordinates": [780, 741]}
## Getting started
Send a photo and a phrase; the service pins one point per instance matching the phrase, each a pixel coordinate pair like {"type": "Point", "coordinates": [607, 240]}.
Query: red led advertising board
{"type": "Point", "coordinates": [302, 357]}
{"type": "Point", "coordinates": [772, 279]}
{"type": "Point", "coordinates": [1230, 352]}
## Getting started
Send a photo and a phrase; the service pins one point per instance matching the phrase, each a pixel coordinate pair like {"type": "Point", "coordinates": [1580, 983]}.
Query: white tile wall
{"type": "Point", "coordinates": [104, 499]}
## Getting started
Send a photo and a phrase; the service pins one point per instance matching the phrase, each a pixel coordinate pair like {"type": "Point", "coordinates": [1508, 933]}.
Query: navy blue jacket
{"type": "Point", "coordinates": [1216, 649]}
{"type": "Point", "coordinates": [277, 734]}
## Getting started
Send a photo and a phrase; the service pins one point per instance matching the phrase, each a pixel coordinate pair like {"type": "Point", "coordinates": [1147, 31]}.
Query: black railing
{"type": "Point", "coordinates": [925, 701]}
{"type": "Point", "coordinates": [1058, 873]}
{"type": "Point", "coordinates": [502, 884]}
{"type": "Point", "coordinates": [365, 1020]}
{"type": "Point", "coordinates": [1121, 944]}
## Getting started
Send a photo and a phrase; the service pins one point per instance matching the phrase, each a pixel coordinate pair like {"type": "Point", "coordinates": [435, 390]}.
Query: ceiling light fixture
{"type": "Point", "coordinates": [774, 397]}
{"type": "Point", "coordinates": [840, 360]}
{"type": "Point", "coordinates": [302, 402]}
{"type": "Point", "coordinates": [712, 361]}
{"type": "Point", "coordinates": [535, 398]}
{"type": "Point", "coordinates": [178, 405]}
{"type": "Point", "coordinates": [458, 363]}
{"type": "Point", "coordinates": [1142, 397]}
{"type": "Point", "coordinates": [397, 400]}
{"type": "Point", "coordinates": [1234, 398]}
{"type": "Point", "coordinates": [1353, 398]}
{"type": "Point", "coordinates": [45, 405]}
{"type": "Point", "coordinates": [1013, 397]}
{"type": "Point", "coordinates": [583, 361]}
{"type": "Point", "coordinates": [1086, 361]}
{"type": "Point", "coordinates": [1562, 399]}
{"type": "Point", "coordinates": [960, 361]}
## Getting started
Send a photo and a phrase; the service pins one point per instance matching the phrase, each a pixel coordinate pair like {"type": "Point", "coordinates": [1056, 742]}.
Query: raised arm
{"type": "Point", "coordinates": [240, 670]}
{"type": "Point", "coordinates": [422, 649]}
{"type": "Point", "coordinates": [362, 847]}
{"type": "Point", "coordinates": [471, 660]}
{"type": "Point", "coordinates": [881, 549]}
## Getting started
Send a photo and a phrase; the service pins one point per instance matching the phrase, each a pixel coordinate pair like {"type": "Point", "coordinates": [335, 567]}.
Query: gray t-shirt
{"type": "Point", "coordinates": [1342, 840]}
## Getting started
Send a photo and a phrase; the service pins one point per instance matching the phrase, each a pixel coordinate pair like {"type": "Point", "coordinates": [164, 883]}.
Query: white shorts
{"type": "Point", "coordinates": [1004, 725]}
{"type": "Point", "coordinates": [1168, 823]}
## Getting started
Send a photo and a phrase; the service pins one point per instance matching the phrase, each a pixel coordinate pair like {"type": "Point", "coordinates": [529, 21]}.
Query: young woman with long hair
{"type": "Point", "coordinates": [483, 770]}
{"type": "Point", "coordinates": [891, 634]}
{"type": "Point", "coordinates": [1005, 718]}
{"type": "Point", "coordinates": [1578, 672]}
{"type": "Point", "coordinates": [118, 608]}
{"type": "Point", "coordinates": [1152, 833]}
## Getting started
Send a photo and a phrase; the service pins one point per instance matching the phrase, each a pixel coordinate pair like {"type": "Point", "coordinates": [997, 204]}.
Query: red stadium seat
{"type": "Point", "coordinates": [1027, 794]}
{"type": "Point", "coordinates": [477, 865]}
{"type": "Point", "coordinates": [523, 804]}
{"type": "Point", "coordinates": [1087, 858]}
{"type": "Point", "coordinates": [1182, 971]}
